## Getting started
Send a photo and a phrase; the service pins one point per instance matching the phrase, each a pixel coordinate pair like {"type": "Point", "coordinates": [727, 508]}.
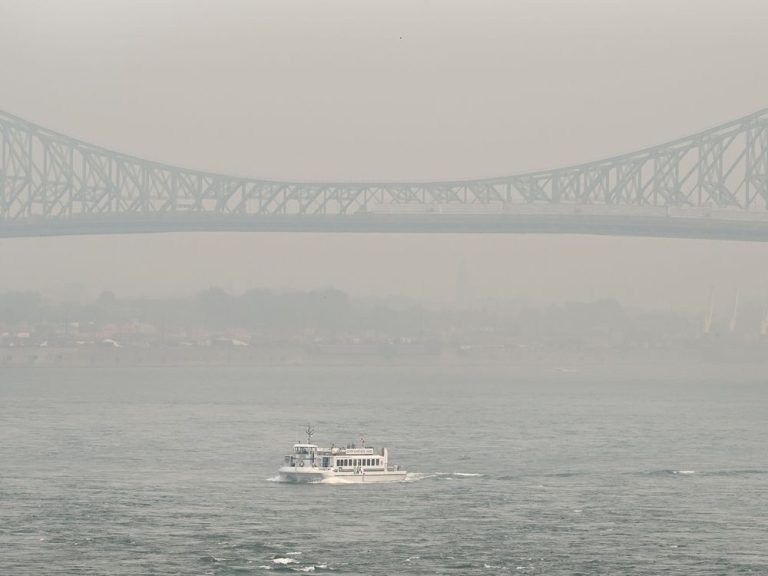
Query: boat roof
{"type": "Point", "coordinates": [305, 445]}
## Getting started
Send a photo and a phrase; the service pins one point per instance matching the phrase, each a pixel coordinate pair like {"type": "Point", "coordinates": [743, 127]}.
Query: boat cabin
{"type": "Point", "coordinates": [350, 459]}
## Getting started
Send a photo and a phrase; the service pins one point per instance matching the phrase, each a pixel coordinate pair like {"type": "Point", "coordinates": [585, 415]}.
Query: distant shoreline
{"type": "Point", "coordinates": [562, 361]}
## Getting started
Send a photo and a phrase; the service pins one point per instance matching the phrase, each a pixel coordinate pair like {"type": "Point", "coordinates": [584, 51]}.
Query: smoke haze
{"type": "Point", "coordinates": [395, 90]}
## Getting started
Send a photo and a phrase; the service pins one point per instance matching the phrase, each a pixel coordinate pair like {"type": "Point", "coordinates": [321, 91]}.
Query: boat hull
{"type": "Point", "coordinates": [315, 475]}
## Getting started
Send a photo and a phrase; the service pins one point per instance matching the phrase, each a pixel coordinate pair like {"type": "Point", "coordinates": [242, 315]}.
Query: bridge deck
{"type": "Point", "coordinates": [610, 225]}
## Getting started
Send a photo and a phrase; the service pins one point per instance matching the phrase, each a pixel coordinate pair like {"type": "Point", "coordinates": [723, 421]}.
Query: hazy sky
{"type": "Point", "coordinates": [310, 90]}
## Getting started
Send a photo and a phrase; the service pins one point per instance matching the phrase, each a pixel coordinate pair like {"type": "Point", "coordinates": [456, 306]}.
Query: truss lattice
{"type": "Point", "coordinates": [46, 175]}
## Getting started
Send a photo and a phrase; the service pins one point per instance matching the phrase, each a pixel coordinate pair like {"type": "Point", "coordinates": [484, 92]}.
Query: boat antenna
{"type": "Point", "coordinates": [310, 433]}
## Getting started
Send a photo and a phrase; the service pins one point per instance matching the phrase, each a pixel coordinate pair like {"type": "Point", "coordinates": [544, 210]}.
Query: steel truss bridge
{"type": "Point", "coordinates": [713, 184]}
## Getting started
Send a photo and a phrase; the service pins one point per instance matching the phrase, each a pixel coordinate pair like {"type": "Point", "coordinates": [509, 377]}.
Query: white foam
{"type": "Point", "coordinates": [284, 561]}
{"type": "Point", "coordinates": [683, 471]}
{"type": "Point", "coordinates": [335, 480]}
{"type": "Point", "coordinates": [293, 553]}
{"type": "Point", "coordinates": [276, 479]}
{"type": "Point", "coordinates": [469, 474]}
{"type": "Point", "coordinates": [416, 476]}
{"type": "Point", "coordinates": [217, 559]}
{"type": "Point", "coordinates": [307, 569]}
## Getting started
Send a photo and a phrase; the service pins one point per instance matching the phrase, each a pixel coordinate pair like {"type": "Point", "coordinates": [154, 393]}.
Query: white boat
{"type": "Point", "coordinates": [310, 463]}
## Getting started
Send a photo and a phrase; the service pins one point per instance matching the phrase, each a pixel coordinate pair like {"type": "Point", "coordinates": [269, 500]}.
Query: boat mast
{"type": "Point", "coordinates": [310, 433]}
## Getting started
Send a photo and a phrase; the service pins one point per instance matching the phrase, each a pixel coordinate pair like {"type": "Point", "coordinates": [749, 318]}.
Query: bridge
{"type": "Point", "coordinates": [713, 184]}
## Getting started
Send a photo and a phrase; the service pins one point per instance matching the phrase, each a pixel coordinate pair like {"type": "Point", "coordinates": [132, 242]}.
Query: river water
{"type": "Point", "coordinates": [527, 471]}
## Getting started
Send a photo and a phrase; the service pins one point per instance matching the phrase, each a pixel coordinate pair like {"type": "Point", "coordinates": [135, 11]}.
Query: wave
{"type": "Point", "coordinates": [211, 558]}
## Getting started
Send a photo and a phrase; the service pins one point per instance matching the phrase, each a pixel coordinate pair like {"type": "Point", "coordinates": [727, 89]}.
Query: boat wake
{"type": "Point", "coordinates": [726, 472]}
{"type": "Point", "coordinates": [336, 480]}
{"type": "Point", "coordinates": [669, 472]}
{"type": "Point", "coordinates": [409, 477]}
{"type": "Point", "coordinates": [418, 476]}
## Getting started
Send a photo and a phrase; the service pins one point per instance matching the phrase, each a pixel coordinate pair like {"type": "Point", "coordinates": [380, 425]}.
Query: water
{"type": "Point", "coordinates": [600, 471]}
